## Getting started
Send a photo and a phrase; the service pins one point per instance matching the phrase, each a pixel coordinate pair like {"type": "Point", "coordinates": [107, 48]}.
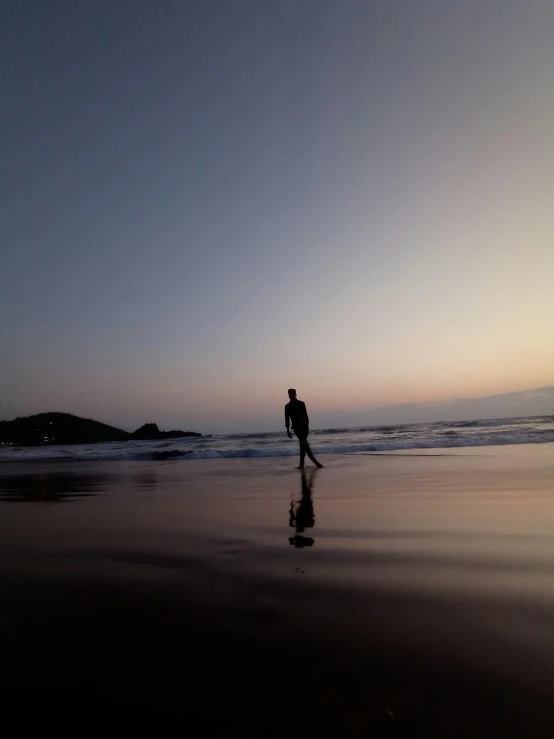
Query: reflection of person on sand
{"type": "Point", "coordinates": [302, 514]}
{"type": "Point", "coordinates": [297, 416]}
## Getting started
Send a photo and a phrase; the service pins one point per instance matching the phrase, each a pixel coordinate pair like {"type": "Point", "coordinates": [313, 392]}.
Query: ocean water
{"type": "Point", "coordinates": [368, 439]}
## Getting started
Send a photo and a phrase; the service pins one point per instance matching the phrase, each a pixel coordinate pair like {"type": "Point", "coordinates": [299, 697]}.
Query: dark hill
{"type": "Point", "coordinates": [151, 431]}
{"type": "Point", "coordinates": [64, 428]}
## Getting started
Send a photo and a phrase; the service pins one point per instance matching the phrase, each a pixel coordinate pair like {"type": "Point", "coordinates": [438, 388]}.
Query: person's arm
{"type": "Point", "coordinates": [287, 421]}
{"type": "Point", "coordinates": [306, 415]}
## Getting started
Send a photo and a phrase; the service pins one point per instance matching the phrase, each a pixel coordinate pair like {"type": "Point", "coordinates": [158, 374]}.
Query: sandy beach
{"type": "Point", "coordinates": [391, 593]}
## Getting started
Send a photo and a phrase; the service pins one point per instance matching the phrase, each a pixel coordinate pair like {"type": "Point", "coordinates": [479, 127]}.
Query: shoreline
{"type": "Point", "coordinates": [367, 440]}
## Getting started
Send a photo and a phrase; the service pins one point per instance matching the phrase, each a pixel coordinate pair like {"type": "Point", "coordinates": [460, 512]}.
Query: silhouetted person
{"type": "Point", "coordinates": [302, 514]}
{"type": "Point", "coordinates": [296, 416]}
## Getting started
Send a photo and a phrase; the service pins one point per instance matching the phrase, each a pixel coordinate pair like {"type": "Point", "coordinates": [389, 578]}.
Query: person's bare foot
{"type": "Point", "coordinates": [318, 465]}
{"type": "Point", "coordinates": [300, 467]}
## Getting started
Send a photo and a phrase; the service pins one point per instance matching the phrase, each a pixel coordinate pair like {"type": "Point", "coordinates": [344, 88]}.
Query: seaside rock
{"type": "Point", "coordinates": [148, 431]}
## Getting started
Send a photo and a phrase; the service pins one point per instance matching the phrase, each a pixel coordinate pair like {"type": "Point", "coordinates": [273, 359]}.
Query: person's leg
{"type": "Point", "coordinates": [309, 453]}
{"type": "Point", "coordinates": [302, 439]}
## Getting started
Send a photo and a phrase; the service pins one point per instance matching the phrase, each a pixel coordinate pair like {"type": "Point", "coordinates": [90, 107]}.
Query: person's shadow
{"type": "Point", "coordinates": [301, 513]}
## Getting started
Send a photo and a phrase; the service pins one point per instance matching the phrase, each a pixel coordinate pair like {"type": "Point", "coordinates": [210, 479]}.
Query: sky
{"type": "Point", "coordinates": [207, 202]}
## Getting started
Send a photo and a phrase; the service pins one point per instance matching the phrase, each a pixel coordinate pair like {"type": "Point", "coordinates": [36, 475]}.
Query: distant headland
{"type": "Point", "coordinates": [65, 428]}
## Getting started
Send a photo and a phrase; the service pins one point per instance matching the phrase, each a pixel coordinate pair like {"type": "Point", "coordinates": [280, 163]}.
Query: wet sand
{"type": "Point", "coordinates": [385, 595]}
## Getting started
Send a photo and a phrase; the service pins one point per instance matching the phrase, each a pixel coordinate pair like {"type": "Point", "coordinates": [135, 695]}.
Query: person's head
{"type": "Point", "coordinates": [292, 393]}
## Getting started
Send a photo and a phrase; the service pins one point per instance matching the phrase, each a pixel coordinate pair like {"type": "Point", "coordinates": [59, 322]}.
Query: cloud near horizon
{"type": "Point", "coordinates": [534, 402]}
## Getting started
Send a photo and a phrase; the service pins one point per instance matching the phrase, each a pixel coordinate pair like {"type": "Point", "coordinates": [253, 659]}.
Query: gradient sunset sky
{"type": "Point", "coordinates": [204, 203]}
